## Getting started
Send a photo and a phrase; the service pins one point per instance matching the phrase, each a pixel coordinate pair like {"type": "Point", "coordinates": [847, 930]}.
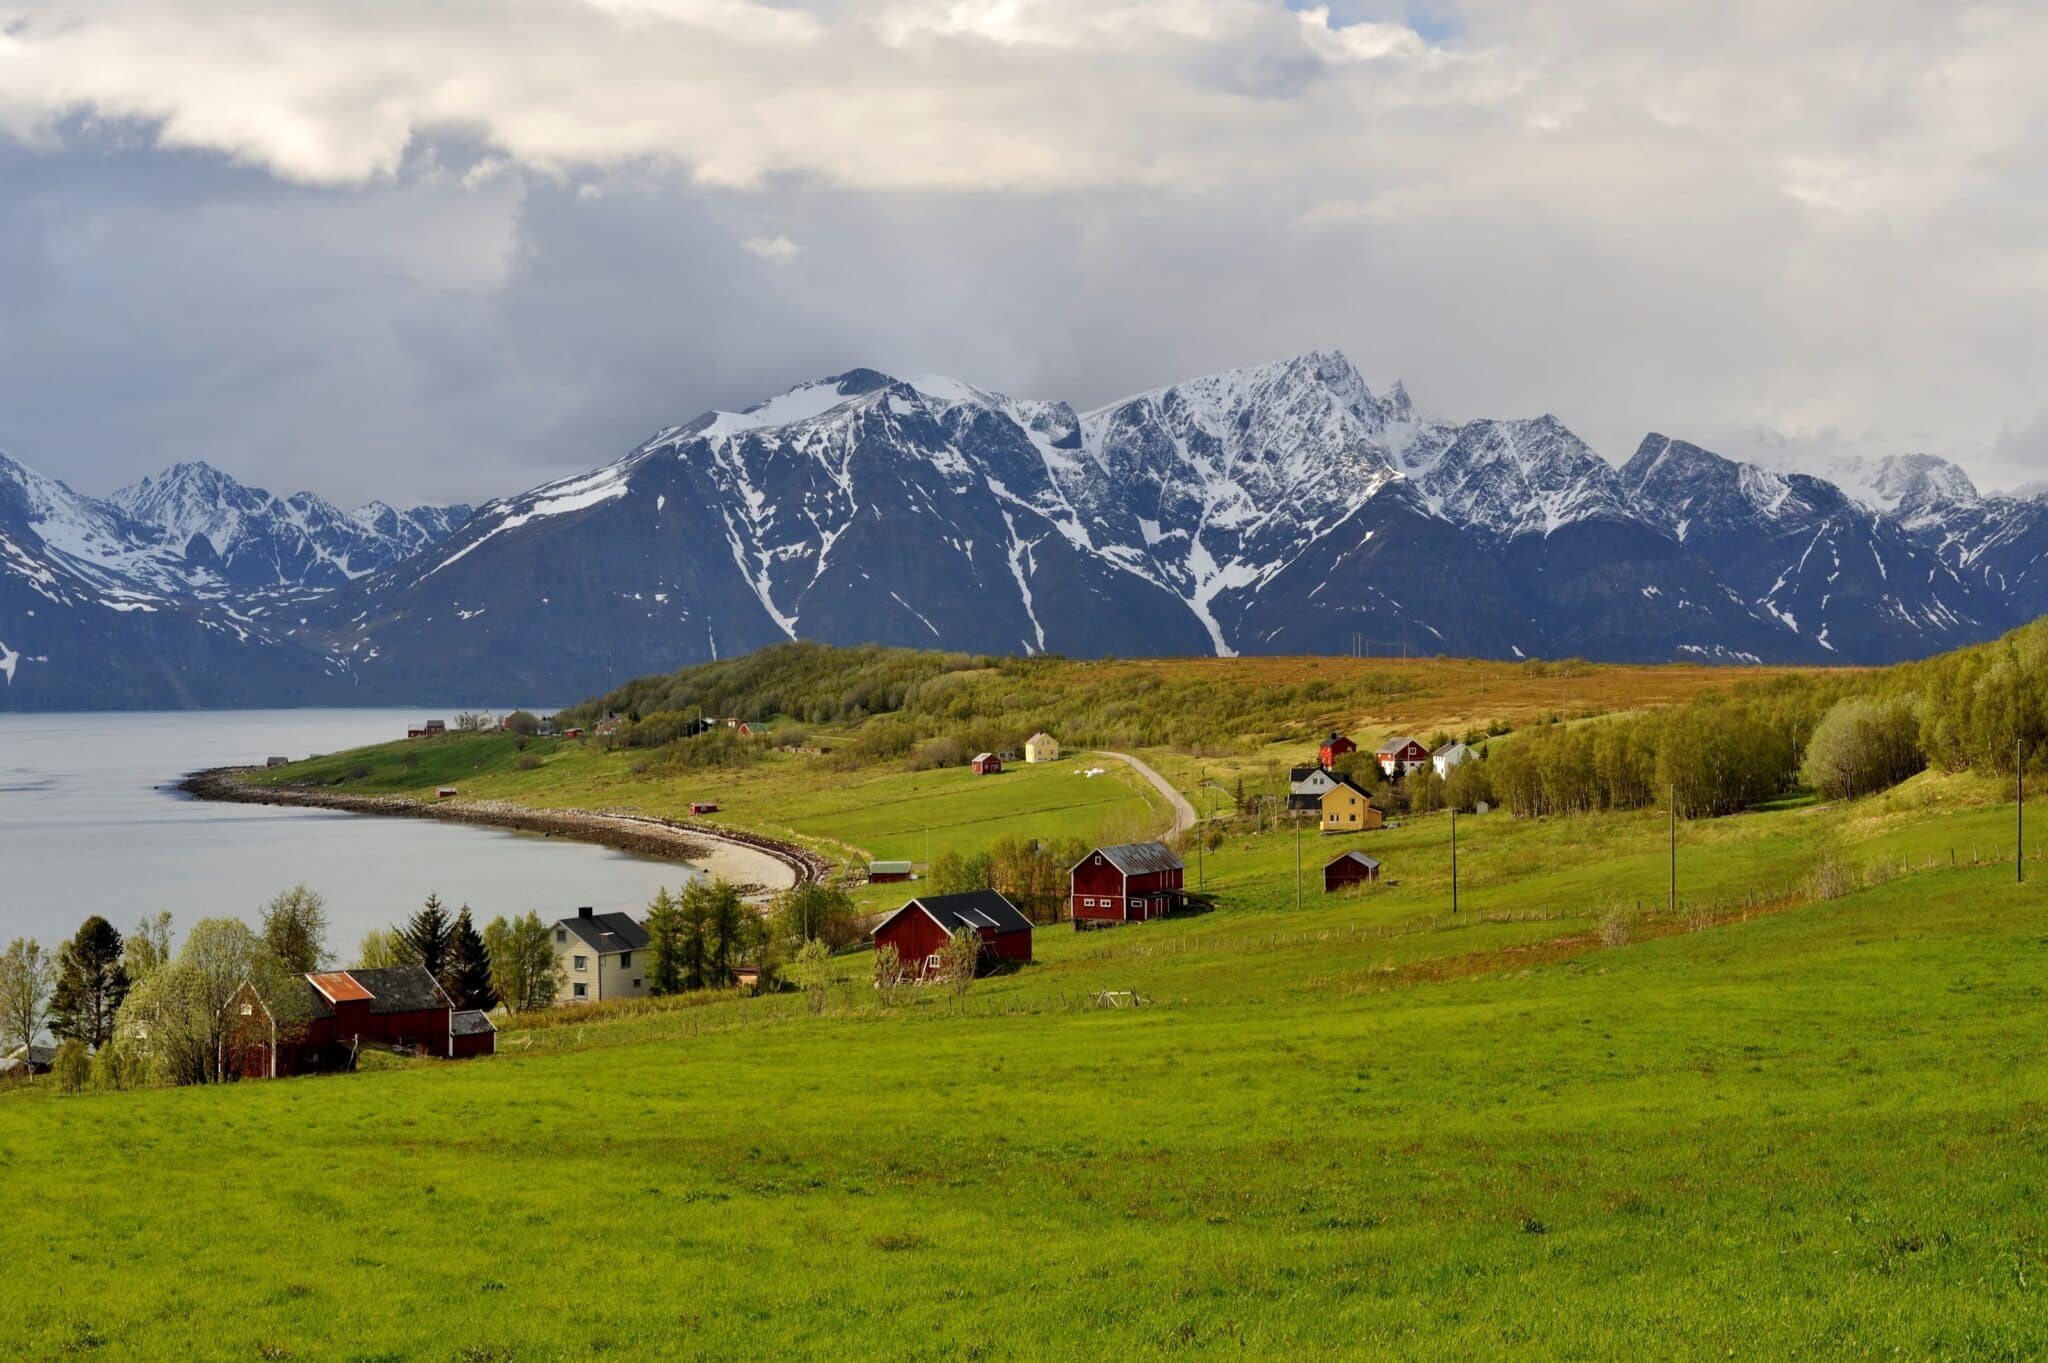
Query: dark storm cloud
{"type": "Point", "coordinates": [401, 251]}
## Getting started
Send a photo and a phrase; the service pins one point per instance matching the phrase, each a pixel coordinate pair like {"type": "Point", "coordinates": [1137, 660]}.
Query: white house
{"type": "Point", "coordinates": [1306, 786]}
{"type": "Point", "coordinates": [1450, 755]}
{"type": "Point", "coordinates": [603, 956]}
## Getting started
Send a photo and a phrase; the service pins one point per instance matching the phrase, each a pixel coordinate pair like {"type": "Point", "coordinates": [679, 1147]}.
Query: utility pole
{"type": "Point", "coordinates": [1454, 858]}
{"type": "Point", "coordinates": [1674, 850]}
{"type": "Point", "coordinates": [2019, 812]}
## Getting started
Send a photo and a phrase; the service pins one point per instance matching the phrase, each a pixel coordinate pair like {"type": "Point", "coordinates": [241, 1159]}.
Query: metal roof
{"type": "Point", "coordinates": [339, 987]}
{"type": "Point", "coordinates": [1370, 863]}
{"type": "Point", "coordinates": [889, 867]}
{"type": "Point", "coordinates": [1393, 745]}
{"type": "Point", "coordinates": [1142, 858]}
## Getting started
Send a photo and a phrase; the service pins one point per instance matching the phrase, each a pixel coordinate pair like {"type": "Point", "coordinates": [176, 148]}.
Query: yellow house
{"type": "Point", "coordinates": [1347, 808]}
{"type": "Point", "coordinates": [1041, 747]}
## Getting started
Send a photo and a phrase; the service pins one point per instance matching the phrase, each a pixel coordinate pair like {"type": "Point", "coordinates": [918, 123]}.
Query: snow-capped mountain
{"type": "Point", "coordinates": [1284, 507]}
{"type": "Point", "coordinates": [249, 538]}
{"type": "Point", "coordinates": [158, 596]}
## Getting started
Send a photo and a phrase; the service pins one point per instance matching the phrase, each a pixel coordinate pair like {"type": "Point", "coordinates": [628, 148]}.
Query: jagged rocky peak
{"type": "Point", "coordinates": [1513, 478]}
{"type": "Point", "coordinates": [1903, 485]}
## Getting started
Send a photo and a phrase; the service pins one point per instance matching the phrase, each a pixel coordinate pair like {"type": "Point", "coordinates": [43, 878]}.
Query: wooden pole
{"type": "Point", "coordinates": [1674, 850]}
{"type": "Point", "coordinates": [1297, 861]}
{"type": "Point", "coordinates": [1454, 858]}
{"type": "Point", "coordinates": [2019, 812]}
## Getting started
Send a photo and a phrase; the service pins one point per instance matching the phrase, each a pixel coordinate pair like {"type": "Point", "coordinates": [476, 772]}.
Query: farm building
{"type": "Point", "coordinates": [703, 806]}
{"type": "Point", "coordinates": [415, 732]}
{"type": "Point", "coordinates": [1334, 747]}
{"type": "Point", "coordinates": [433, 727]}
{"type": "Point", "coordinates": [1306, 787]}
{"type": "Point", "coordinates": [1348, 869]}
{"type": "Point", "coordinates": [986, 764]}
{"type": "Point", "coordinates": [888, 872]}
{"type": "Point", "coordinates": [921, 928]}
{"type": "Point", "coordinates": [398, 1008]}
{"type": "Point", "coordinates": [1450, 755]}
{"type": "Point", "coordinates": [608, 726]}
{"type": "Point", "coordinates": [1400, 755]}
{"type": "Point", "coordinates": [1348, 808]}
{"type": "Point", "coordinates": [1130, 883]}
{"type": "Point", "coordinates": [277, 761]}
{"type": "Point", "coordinates": [474, 1034]}
{"type": "Point", "coordinates": [27, 1061]}
{"type": "Point", "coordinates": [446, 792]}
{"type": "Point", "coordinates": [1041, 747]}
{"type": "Point", "coordinates": [600, 955]}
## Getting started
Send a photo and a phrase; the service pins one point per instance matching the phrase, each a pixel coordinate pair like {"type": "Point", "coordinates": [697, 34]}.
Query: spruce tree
{"type": "Point", "coordinates": [91, 983]}
{"type": "Point", "coordinates": [466, 973]}
{"type": "Point", "coordinates": [427, 935]}
{"type": "Point", "coordinates": [665, 970]}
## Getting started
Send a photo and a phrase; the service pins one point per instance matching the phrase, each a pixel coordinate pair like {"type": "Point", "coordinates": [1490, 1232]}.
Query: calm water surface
{"type": "Point", "coordinates": [90, 822]}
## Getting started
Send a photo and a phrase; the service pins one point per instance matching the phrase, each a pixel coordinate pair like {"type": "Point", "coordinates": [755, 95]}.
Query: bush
{"type": "Point", "coordinates": [71, 1070]}
{"type": "Point", "coordinates": [1863, 746]}
{"type": "Point", "coordinates": [527, 762]}
{"type": "Point", "coordinates": [522, 722]}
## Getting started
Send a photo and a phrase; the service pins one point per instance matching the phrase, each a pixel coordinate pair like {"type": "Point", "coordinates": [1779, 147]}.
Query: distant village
{"type": "Point", "coordinates": [322, 1020]}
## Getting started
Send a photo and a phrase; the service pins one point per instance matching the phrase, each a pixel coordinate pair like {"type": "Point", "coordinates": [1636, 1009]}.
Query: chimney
{"type": "Point", "coordinates": [587, 911]}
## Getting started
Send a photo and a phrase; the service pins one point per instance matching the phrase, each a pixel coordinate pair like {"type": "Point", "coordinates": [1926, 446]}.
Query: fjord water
{"type": "Point", "coordinates": [91, 822]}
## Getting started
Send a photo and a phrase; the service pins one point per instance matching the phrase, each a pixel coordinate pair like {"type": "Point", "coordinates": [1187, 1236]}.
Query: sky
{"type": "Point", "coordinates": [378, 248]}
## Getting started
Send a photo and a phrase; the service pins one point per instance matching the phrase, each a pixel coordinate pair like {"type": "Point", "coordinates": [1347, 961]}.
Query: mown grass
{"type": "Point", "coordinates": [1363, 1129]}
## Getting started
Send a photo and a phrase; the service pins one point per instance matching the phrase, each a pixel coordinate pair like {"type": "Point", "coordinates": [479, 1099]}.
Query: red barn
{"type": "Point", "coordinates": [1334, 747]}
{"type": "Point", "coordinates": [473, 1034]}
{"type": "Point", "coordinates": [398, 1008]}
{"type": "Point", "coordinates": [1126, 884]}
{"type": "Point", "coordinates": [986, 764]}
{"type": "Point", "coordinates": [920, 929]}
{"type": "Point", "coordinates": [1350, 868]}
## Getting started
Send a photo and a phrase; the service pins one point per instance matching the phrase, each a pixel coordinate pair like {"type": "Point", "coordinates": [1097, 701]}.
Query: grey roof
{"type": "Point", "coordinates": [470, 1022]}
{"type": "Point", "coordinates": [1370, 863]}
{"type": "Point", "coordinates": [605, 933]}
{"type": "Point", "coordinates": [1142, 858]}
{"type": "Point", "coordinates": [975, 909]}
{"type": "Point", "coordinates": [1393, 745]}
{"type": "Point", "coordinates": [401, 989]}
{"type": "Point", "coordinates": [44, 1056]}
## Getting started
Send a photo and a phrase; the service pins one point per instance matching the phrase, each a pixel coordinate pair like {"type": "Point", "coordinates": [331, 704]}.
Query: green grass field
{"type": "Point", "coordinates": [1549, 1126]}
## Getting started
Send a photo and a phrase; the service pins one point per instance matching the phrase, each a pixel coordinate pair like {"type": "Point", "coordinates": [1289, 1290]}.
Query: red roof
{"type": "Point", "coordinates": [339, 987]}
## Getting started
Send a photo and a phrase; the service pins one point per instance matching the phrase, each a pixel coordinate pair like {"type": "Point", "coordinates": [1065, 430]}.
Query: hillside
{"type": "Point", "coordinates": [1554, 1123]}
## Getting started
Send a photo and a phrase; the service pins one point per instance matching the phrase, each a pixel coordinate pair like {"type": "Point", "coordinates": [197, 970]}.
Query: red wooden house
{"type": "Point", "coordinates": [1126, 884]}
{"type": "Point", "coordinates": [1334, 747]}
{"type": "Point", "coordinates": [1400, 755]}
{"type": "Point", "coordinates": [398, 1008]}
{"type": "Point", "coordinates": [986, 764]}
{"type": "Point", "coordinates": [920, 929]}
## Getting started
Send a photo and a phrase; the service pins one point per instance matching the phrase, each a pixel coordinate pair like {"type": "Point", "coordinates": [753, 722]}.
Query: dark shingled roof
{"type": "Point", "coordinates": [606, 933]}
{"type": "Point", "coordinates": [392, 989]}
{"type": "Point", "coordinates": [976, 909]}
{"type": "Point", "coordinates": [1142, 858]}
{"type": "Point", "coordinates": [470, 1022]}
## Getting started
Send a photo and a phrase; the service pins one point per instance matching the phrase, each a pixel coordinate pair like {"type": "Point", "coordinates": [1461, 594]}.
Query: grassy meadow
{"type": "Point", "coordinates": [1803, 1115]}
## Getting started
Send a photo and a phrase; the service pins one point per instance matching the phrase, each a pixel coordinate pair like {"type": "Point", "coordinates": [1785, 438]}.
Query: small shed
{"type": "Point", "coordinates": [920, 929]}
{"type": "Point", "coordinates": [277, 761]}
{"type": "Point", "coordinates": [1334, 747]}
{"type": "Point", "coordinates": [888, 872]}
{"type": "Point", "coordinates": [1348, 869]}
{"type": "Point", "coordinates": [572, 733]}
{"type": "Point", "coordinates": [27, 1061]}
{"type": "Point", "coordinates": [433, 727]}
{"type": "Point", "coordinates": [703, 806]}
{"type": "Point", "coordinates": [1041, 747]}
{"type": "Point", "coordinates": [415, 732]}
{"type": "Point", "coordinates": [446, 792]}
{"type": "Point", "coordinates": [986, 764]}
{"type": "Point", "coordinates": [471, 1033]}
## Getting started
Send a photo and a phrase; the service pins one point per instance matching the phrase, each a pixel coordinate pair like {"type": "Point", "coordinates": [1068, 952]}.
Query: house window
{"type": "Point", "coordinates": [582, 991]}
{"type": "Point", "coordinates": [562, 936]}
{"type": "Point", "coordinates": [248, 1010]}
{"type": "Point", "coordinates": [583, 963]}
{"type": "Point", "coordinates": [636, 984]}
{"type": "Point", "coordinates": [625, 960]}
{"type": "Point", "coordinates": [932, 962]}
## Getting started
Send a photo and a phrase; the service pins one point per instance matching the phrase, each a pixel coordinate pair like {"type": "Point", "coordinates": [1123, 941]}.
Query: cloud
{"type": "Point", "coordinates": [322, 237]}
{"type": "Point", "coordinates": [776, 248]}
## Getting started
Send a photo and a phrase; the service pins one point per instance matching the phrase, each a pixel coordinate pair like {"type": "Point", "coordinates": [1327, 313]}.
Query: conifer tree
{"type": "Point", "coordinates": [466, 974]}
{"type": "Point", "coordinates": [91, 983]}
{"type": "Point", "coordinates": [427, 935]}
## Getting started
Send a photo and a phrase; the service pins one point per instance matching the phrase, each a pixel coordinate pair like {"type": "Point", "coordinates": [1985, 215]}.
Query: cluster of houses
{"type": "Point", "coordinates": [1040, 747]}
{"type": "Point", "coordinates": [1341, 805]}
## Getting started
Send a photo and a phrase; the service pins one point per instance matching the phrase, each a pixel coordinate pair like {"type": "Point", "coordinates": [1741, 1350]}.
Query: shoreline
{"type": "Point", "coordinates": [758, 865]}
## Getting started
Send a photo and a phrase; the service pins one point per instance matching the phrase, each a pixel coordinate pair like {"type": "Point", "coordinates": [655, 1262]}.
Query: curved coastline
{"type": "Point", "coordinates": [758, 865]}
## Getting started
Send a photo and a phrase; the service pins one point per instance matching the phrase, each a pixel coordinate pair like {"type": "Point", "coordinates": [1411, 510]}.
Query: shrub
{"type": "Point", "coordinates": [1863, 746]}
{"type": "Point", "coordinates": [527, 762]}
{"type": "Point", "coordinates": [1614, 930]}
{"type": "Point", "coordinates": [72, 1068]}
